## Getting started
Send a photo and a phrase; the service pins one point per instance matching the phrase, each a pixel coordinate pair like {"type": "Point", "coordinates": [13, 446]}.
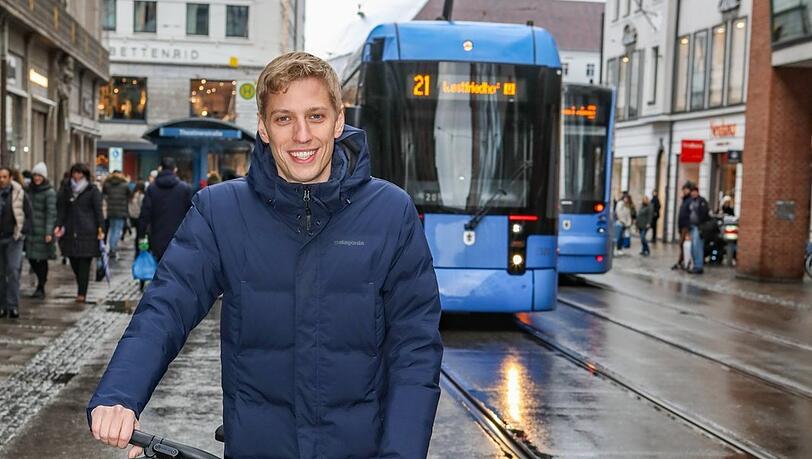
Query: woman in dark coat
{"type": "Point", "coordinates": [39, 245]}
{"type": "Point", "coordinates": [80, 224]}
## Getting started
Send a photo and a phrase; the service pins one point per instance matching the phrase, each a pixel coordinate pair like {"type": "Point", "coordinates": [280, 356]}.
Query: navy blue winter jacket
{"type": "Point", "coordinates": [330, 341]}
{"type": "Point", "coordinates": [165, 204]}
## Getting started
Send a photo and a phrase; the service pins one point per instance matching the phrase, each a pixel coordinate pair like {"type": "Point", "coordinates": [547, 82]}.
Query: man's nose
{"type": "Point", "coordinates": [301, 133]}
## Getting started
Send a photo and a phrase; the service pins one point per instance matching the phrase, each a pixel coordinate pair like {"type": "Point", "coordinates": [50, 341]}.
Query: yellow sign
{"type": "Point", "coordinates": [248, 91]}
{"type": "Point", "coordinates": [233, 62]}
{"type": "Point", "coordinates": [422, 85]}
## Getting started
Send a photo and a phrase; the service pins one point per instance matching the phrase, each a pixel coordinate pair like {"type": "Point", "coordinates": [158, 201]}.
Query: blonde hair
{"type": "Point", "coordinates": [287, 68]}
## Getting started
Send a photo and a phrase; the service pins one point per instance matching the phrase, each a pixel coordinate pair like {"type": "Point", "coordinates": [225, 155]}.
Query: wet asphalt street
{"type": "Point", "coordinates": [636, 366]}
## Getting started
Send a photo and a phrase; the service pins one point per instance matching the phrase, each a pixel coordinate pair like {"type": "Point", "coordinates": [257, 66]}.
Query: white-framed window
{"type": "Point", "coordinates": [681, 77]}
{"type": "Point", "coordinates": [237, 21]}
{"type": "Point", "coordinates": [738, 61]}
{"type": "Point", "coordinates": [565, 68]}
{"type": "Point", "coordinates": [145, 16]}
{"type": "Point", "coordinates": [197, 19]}
{"type": "Point", "coordinates": [590, 70]}
{"type": "Point", "coordinates": [699, 70]}
{"type": "Point", "coordinates": [716, 77]}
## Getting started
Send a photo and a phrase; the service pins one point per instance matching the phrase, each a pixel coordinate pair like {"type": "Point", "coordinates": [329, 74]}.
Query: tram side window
{"type": "Point", "coordinates": [123, 98]}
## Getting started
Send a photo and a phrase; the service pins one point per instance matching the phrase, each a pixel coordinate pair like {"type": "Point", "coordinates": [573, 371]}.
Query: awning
{"type": "Point", "coordinates": [127, 144]}
{"type": "Point", "coordinates": [198, 129]}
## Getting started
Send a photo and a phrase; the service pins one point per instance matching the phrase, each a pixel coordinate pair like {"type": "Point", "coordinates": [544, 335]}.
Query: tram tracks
{"type": "Point", "coordinates": [712, 430]}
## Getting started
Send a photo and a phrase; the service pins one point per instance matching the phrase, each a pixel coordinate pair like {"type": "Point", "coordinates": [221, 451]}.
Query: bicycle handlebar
{"type": "Point", "coordinates": [155, 446]}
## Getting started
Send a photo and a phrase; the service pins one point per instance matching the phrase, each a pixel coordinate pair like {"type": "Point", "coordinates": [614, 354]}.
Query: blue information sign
{"type": "Point", "coordinates": [201, 133]}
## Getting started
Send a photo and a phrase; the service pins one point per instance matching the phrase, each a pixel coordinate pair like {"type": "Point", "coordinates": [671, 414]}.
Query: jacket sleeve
{"type": "Point", "coordinates": [188, 280]}
{"type": "Point", "coordinates": [28, 213]}
{"type": "Point", "coordinates": [97, 209]}
{"type": "Point", "coordinates": [50, 211]}
{"type": "Point", "coordinates": [61, 208]}
{"type": "Point", "coordinates": [145, 216]}
{"type": "Point", "coordinates": [412, 348]}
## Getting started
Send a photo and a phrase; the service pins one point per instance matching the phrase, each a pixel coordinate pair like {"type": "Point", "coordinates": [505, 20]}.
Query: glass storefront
{"type": "Point", "coordinates": [213, 99]}
{"type": "Point", "coordinates": [123, 99]}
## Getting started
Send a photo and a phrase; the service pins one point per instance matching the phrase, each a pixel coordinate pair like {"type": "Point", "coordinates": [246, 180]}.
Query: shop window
{"type": "Point", "coordinates": [197, 19]}
{"type": "Point", "coordinates": [738, 58]}
{"type": "Point", "coordinates": [124, 99]}
{"type": "Point", "coordinates": [617, 178]}
{"type": "Point", "coordinates": [717, 66]}
{"type": "Point", "coordinates": [637, 179]}
{"type": "Point", "coordinates": [109, 15]}
{"type": "Point", "coordinates": [213, 99]}
{"type": "Point", "coordinates": [14, 122]}
{"type": "Point", "coordinates": [699, 70]}
{"type": "Point", "coordinates": [236, 21]}
{"type": "Point", "coordinates": [681, 86]}
{"type": "Point", "coordinates": [145, 16]}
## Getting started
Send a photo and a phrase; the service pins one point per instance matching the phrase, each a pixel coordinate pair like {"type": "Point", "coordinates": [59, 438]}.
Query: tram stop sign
{"type": "Point", "coordinates": [247, 91]}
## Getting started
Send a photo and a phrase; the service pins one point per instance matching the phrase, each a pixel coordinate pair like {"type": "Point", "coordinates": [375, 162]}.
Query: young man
{"type": "Point", "coordinates": [330, 341]}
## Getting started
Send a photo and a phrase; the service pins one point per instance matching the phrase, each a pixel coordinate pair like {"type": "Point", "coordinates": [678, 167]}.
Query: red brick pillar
{"type": "Point", "coordinates": [777, 162]}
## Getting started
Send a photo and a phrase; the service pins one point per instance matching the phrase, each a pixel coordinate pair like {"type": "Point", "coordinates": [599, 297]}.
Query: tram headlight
{"type": "Point", "coordinates": [517, 228]}
{"type": "Point", "coordinates": [517, 260]}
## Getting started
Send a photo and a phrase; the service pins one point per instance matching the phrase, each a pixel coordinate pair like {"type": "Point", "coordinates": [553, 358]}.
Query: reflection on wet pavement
{"type": "Point", "coordinates": [562, 409]}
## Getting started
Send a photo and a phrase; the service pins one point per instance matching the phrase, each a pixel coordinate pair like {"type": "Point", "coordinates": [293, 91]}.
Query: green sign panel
{"type": "Point", "coordinates": [248, 91]}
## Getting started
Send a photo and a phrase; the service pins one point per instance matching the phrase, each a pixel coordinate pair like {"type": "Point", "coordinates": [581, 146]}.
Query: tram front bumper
{"type": "Point", "coordinates": [494, 290]}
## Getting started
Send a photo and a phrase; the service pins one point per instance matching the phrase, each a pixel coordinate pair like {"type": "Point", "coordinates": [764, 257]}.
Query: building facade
{"type": "Point", "coordinates": [183, 81]}
{"type": "Point", "coordinates": [575, 24]}
{"type": "Point", "coordinates": [775, 223]}
{"type": "Point", "coordinates": [680, 69]}
{"type": "Point", "coordinates": [54, 65]}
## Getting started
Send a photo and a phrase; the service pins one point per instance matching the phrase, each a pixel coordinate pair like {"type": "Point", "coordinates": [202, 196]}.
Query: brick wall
{"type": "Point", "coordinates": [777, 161]}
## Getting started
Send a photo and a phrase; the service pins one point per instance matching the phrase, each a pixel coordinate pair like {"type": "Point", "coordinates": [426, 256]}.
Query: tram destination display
{"type": "Point", "coordinates": [432, 86]}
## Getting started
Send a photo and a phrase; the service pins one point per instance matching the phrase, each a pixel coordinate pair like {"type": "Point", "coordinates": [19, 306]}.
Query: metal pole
{"type": "Point", "coordinates": [600, 62]}
{"type": "Point", "coordinates": [448, 7]}
{"type": "Point", "coordinates": [4, 157]}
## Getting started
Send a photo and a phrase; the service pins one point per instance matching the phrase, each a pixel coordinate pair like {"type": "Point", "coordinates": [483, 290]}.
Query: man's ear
{"type": "Point", "coordinates": [263, 133]}
{"type": "Point", "coordinates": [339, 128]}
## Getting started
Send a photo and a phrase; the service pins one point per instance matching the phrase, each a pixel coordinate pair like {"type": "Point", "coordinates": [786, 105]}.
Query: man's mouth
{"type": "Point", "coordinates": [303, 156]}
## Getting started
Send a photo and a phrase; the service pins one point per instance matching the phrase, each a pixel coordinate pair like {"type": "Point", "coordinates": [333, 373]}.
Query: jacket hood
{"type": "Point", "coordinates": [116, 179]}
{"type": "Point", "coordinates": [167, 179]}
{"type": "Point", "coordinates": [350, 168]}
{"type": "Point", "coordinates": [44, 186]}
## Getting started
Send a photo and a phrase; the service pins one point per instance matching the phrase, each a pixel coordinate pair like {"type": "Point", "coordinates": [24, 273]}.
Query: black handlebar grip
{"type": "Point", "coordinates": [142, 439]}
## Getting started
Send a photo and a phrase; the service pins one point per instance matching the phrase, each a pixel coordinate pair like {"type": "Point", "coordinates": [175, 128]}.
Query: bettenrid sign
{"type": "Point", "coordinates": [693, 151]}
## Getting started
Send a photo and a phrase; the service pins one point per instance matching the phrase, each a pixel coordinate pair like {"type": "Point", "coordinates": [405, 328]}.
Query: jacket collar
{"type": "Point", "coordinates": [350, 169]}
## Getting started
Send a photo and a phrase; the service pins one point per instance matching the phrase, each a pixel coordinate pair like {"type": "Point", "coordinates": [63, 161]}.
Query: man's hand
{"type": "Point", "coordinates": [114, 425]}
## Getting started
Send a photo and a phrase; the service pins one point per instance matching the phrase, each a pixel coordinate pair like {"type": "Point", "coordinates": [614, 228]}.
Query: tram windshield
{"type": "Point", "coordinates": [586, 113]}
{"type": "Point", "coordinates": [455, 135]}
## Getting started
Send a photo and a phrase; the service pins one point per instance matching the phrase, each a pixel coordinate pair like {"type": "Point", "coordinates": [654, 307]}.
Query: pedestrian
{"type": "Point", "coordinates": [134, 210]}
{"type": "Point", "coordinates": [655, 215]}
{"type": "Point", "coordinates": [623, 222]}
{"type": "Point", "coordinates": [229, 174]}
{"type": "Point", "coordinates": [684, 225]}
{"type": "Point", "coordinates": [15, 223]}
{"type": "Point", "coordinates": [699, 214]}
{"type": "Point", "coordinates": [213, 179]}
{"type": "Point", "coordinates": [79, 225]}
{"type": "Point", "coordinates": [39, 245]}
{"type": "Point", "coordinates": [116, 192]}
{"type": "Point", "coordinates": [163, 208]}
{"type": "Point", "coordinates": [330, 344]}
{"type": "Point", "coordinates": [153, 174]}
{"type": "Point", "coordinates": [643, 223]}
{"type": "Point", "coordinates": [727, 206]}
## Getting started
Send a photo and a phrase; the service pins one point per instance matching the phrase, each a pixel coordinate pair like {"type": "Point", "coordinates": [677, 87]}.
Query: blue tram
{"type": "Point", "coordinates": [466, 118]}
{"type": "Point", "coordinates": [584, 235]}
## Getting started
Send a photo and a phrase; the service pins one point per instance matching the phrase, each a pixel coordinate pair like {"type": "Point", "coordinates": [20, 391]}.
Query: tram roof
{"type": "Point", "coordinates": [443, 41]}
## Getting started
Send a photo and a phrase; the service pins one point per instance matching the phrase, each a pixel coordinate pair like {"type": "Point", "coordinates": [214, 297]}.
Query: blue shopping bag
{"type": "Point", "coordinates": [144, 266]}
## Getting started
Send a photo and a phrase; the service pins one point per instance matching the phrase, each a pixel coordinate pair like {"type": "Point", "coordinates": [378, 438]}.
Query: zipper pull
{"type": "Point", "coordinates": [308, 214]}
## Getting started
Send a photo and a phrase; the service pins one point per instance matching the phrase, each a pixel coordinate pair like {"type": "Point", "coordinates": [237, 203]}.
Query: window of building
{"type": "Point", "coordinates": [791, 20]}
{"type": "Point", "coordinates": [627, 7]}
{"type": "Point", "coordinates": [145, 16]}
{"type": "Point", "coordinates": [635, 69]}
{"type": "Point", "coordinates": [622, 86]}
{"type": "Point", "coordinates": [699, 70]}
{"type": "Point", "coordinates": [611, 73]}
{"type": "Point", "coordinates": [655, 72]}
{"type": "Point", "coordinates": [681, 86]}
{"type": "Point", "coordinates": [236, 21]}
{"type": "Point", "coordinates": [197, 19]}
{"type": "Point", "coordinates": [639, 4]}
{"type": "Point", "coordinates": [213, 99]}
{"type": "Point", "coordinates": [109, 15]}
{"type": "Point", "coordinates": [738, 58]}
{"type": "Point", "coordinates": [616, 10]}
{"type": "Point", "coordinates": [565, 68]}
{"type": "Point", "coordinates": [124, 98]}
{"type": "Point", "coordinates": [716, 80]}
{"type": "Point", "coordinates": [590, 70]}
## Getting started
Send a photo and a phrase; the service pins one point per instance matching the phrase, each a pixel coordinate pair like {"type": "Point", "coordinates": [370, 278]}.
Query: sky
{"type": "Point", "coordinates": [334, 27]}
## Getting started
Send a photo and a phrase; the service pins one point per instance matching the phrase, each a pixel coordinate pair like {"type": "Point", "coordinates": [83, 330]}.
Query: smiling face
{"type": "Point", "coordinates": [301, 124]}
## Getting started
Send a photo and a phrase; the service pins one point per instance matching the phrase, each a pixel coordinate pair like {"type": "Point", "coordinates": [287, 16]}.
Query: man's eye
{"type": "Point", "coordinates": [282, 119]}
{"type": "Point", "coordinates": [316, 116]}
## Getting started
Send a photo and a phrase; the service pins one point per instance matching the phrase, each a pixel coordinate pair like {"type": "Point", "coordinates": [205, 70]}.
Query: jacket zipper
{"type": "Point", "coordinates": [308, 214]}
